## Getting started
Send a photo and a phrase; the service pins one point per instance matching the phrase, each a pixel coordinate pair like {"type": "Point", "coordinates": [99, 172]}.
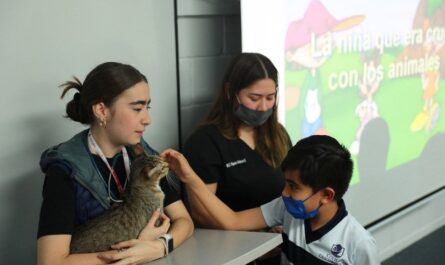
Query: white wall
{"type": "Point", "coordinates": [42, 44]}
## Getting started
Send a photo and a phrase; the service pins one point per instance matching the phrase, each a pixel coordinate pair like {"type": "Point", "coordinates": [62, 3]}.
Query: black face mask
{"type": "Point", "coordinates": [252, 117]}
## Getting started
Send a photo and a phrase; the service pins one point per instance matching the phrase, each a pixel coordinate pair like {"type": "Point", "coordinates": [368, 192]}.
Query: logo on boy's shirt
{"type": "Point", "coordinates": [234, 163]}
{"type": "Point", "coordinates": [337, 250]}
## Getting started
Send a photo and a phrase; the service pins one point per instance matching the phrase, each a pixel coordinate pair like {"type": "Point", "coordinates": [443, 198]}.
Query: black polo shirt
{"type": "Point", "coordinates": [244, 180]}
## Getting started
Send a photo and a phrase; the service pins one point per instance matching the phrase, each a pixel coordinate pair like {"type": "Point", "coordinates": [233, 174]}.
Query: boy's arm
{"type": "Point", "coordinates": [224, 217]}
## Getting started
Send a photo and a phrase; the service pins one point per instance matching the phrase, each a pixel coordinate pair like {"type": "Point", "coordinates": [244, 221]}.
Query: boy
{"type": "Point", "coordinates": [317, 229]}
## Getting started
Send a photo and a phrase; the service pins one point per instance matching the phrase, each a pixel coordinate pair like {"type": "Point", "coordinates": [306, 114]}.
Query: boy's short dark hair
{"type": "Point", "coordinates": [322, 162]}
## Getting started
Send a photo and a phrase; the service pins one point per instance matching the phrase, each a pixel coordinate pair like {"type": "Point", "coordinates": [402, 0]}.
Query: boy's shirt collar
{"type": "Point", "coordinates": [312, 236]}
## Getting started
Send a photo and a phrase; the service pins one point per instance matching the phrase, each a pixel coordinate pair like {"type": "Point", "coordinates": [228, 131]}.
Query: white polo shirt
{"type": "Point", "coordinates": [341, 241]}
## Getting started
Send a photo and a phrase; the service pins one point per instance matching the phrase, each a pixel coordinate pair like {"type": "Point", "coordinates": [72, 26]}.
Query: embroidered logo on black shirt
{"type": "Point", "coordinates": [234, 163]}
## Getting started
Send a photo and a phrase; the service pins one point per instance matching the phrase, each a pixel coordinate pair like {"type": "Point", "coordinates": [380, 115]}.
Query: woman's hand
{"type": "Point", "coordinates": [151, 230]}
{"type": "Point", "coordinates": [179, 164]}
{"type": "Point", "coordinates": [146, 248]}
{"type": "Point", "coordinates": [135, 251]}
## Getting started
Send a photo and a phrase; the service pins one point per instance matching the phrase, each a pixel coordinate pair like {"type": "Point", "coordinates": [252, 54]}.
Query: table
{"type": "Point", "coordinates": [214, 247]}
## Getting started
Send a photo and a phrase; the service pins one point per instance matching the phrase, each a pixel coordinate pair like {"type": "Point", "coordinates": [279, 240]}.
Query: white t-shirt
{"type": "Point", "coordinates": [341, 241]}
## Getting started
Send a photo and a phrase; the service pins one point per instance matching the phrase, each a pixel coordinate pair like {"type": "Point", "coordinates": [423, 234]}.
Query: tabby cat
{"type": "Point", "coordinates": [125, 220]}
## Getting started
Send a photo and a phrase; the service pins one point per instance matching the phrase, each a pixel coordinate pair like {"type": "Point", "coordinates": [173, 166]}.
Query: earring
{"type": "Point", "coordinates": [103, 123]}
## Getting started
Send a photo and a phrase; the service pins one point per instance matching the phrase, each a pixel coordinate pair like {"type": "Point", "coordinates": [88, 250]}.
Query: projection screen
{"type": "Point", "coordinates": [371, 74]}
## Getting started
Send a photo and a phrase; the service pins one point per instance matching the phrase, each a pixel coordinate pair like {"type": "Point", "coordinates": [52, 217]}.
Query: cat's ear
{"type": "Point", "coordinates": [137, 149]}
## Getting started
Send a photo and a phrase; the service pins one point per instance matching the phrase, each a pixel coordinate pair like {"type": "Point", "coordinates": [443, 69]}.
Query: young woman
{"type": "Point", "coordinates": [87, 173]}
{"type": "Point", "coordinates": [238, 148]}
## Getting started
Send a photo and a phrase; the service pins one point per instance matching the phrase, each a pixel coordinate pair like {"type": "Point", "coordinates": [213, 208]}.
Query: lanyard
{"type": "Point", "coordinates": [93, 143]}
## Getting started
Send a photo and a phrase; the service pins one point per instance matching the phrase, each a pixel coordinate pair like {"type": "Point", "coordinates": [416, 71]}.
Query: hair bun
{"type": "Point", "coordinates": [76, 98]}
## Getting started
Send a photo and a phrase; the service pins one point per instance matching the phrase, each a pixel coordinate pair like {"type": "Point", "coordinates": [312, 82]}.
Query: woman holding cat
{"type": "Point", "coordinates": [238, 148]}
{"type": "Point", "coordinates": [86, 174]}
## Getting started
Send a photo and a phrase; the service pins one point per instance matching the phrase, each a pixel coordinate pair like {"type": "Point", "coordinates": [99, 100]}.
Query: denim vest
{"type": "Point", "coordinates": [73, 157]}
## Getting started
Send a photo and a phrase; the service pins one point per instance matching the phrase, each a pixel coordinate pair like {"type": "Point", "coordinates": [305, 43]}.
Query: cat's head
{"type": "Point", "coordinates": [147, 169]}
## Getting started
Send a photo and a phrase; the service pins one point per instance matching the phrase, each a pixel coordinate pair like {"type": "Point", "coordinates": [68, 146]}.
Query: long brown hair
{"type": "Point", "coordinates": [271, 140]}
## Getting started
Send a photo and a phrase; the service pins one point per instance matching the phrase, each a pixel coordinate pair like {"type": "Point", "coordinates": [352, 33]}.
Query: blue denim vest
{"type": "Point", "coordinates": [73, 156]}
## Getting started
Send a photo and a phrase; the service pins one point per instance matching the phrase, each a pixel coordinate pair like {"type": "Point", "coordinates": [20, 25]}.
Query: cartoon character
{"type": "Point", "coordinates": [367, 109]}
{"type": "Point", "coordinates": [427, 118]}
{"type": "Point", "coordinates": [309, 44]}
{"type": "Point", "coordinates": [312, 110]}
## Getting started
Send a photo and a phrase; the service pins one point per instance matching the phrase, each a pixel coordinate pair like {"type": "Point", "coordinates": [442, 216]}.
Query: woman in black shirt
{"type": "Point", "coordinates": [238, 148]}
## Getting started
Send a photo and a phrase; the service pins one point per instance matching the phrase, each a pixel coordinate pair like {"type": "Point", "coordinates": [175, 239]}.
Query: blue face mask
{"type": "Point", "coordinates": [252, 117]}
{"type": "Point", "coordinates": [297, 210]}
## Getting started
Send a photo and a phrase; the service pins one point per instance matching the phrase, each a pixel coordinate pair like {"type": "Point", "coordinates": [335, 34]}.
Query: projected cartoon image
{"type": "Point", "coordinates": [343, 71]}
{"type": "Point", "coordinates": [309, 44]}
{"type": "Point", "coordinates": [427, 118]}
{"type": "Point", "coordinates": [367, 109]}
{"type": "Point", "coordinates": [372, 75]}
